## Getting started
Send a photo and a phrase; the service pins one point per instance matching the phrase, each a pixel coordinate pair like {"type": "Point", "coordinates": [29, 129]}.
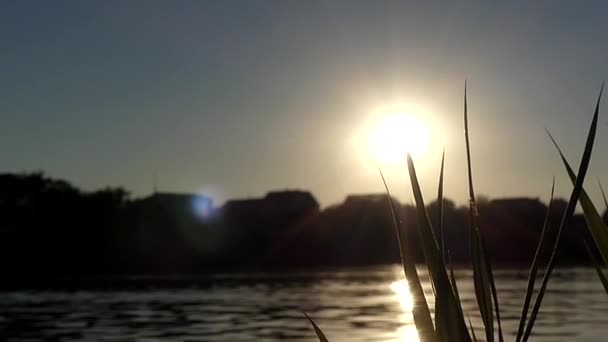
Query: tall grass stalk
{"type": "Point", "coordinates": [420, 310]}
{"type": "Point", "coordinates": [440, 208]}
{"type": "Point", "coordinates": [483, 279]}
{"type": "Point", "coordinates": [603, 194]}
{"type": "Point", "coordinates": [544, 241]}
{"type": "Point", "coordinates": [450, 324]}
{"type": "Point", "coordinates": [318, 331]}
{"type": "Point", "coordinates": [574, 197]}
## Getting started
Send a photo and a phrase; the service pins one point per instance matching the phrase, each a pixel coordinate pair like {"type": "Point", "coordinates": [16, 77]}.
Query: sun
{"type": "Point", "coordinates": [394, 135]}
{"type": "Point", "coordinates": [386, 134]}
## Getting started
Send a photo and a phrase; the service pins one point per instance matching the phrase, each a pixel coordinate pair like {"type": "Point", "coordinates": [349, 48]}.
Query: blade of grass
{"type": "Point", "coordinates": [598, 267]}
{"type": "Point", "coordinates": [318, 331]}
{"type": "Point", "coordinates": [472, 331]}
{"type": "Point", "coordinates": [481, 288]}
{"type": "Point", "coordinates": [482, 285]}
{"type": "Point", "coordinates": [574, 197]}
{"type": "Point", "coordinates": [455, 325]}
{"type": "Point", "coordinates": [454, 284]}
{"type": "Point", "coordinates": [440, 208]}
{"type": "Point", "coordinates": [439, 315]}
{"type": "Point", "coordinates": [420, 310]}
{"type": "Point", "coordinates": [595, 223]}
{"type": "Point", "coordinates": [456, 293]}
{"type": "Point", "coordinates": [603, 194]}
{"type": "Point", "coordinates": [543, 241]}
{"type": "Point", "coordinates": [483, 279]}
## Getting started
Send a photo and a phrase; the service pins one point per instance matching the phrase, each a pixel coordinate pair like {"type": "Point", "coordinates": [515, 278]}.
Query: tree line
{"type": "Point", "coordinates": [49, 227]}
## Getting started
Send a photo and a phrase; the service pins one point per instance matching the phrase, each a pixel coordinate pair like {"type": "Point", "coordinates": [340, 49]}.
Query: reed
{"type": "Point", "coordinates": [449, 322]}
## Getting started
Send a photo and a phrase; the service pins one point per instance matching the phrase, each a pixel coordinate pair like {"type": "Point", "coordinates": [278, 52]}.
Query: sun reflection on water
{"type": "Point", "coordinates": [408, 332]}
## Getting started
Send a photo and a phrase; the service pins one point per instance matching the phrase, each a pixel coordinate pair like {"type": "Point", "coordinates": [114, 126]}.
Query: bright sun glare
{"type": "Point", "coordinates": [404, 296]}
{"type": "Point", "coordinates": [408, 332]}
{"type": "Point", "coordinates": [396, 134]}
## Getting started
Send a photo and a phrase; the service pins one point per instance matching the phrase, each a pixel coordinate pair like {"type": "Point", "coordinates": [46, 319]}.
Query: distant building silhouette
{"type": "Point", "coordinates": [49, 227]}
{"type": "Point", "coordinates": [364, 199]}
{"type": "Point", "coordinates": [273, 212]}
{"type": "Point", "coordinates": [276, 202]}
{"type": "Point", "coordinates": [256, 226]}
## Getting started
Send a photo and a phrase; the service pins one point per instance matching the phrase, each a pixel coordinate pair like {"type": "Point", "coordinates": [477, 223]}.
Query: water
{"type": "Point", "coordinates": [362, 304]}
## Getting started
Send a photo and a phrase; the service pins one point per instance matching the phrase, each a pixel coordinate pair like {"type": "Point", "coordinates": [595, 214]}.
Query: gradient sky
{"type": "Point", "coordinates": [236, 98]}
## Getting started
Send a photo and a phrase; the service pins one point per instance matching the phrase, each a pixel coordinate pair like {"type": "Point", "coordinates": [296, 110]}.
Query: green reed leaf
{"type": "Point", "coordinates": [318, 330]}
{"type": "Point", "coordinates": [485, 288]}
{"type": "Point", "coordinates": [440, 208]}
{"type": "Point", "coordinates": [438, 308]}
{"type": "Point", "coordinates": [542, 243]}
{"type": "Point", "coordinates": [595, 223]}
{"type": "Point", "coordinates": [454, 283]}
{"type": "Point", "coordinates": [472, 331]}
{"type": "Point", "coordinates": [453, 321]}
{"type": "Point", "coordinates": [603, 194]}
{"type": "Point", "coordinates": [574, 197]}
{"type": "Point", "coordinates": [420, 311]}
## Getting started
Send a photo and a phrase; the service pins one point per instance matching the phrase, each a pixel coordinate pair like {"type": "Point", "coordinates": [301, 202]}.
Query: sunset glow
{"type": "Point", "coordinates": [408, 332]}
{"type": "Point", "coordinates": [304, 170]}
{"type": "Point", "coordinates": [396, 135]}
{"type": "Point", "coordinates": [404, 296]}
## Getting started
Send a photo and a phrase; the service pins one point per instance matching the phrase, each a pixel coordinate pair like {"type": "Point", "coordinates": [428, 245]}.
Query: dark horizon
{"type": "Point", "coordinates": [155, 189]}
{"type": "Point", "coordinates": [50, 228]}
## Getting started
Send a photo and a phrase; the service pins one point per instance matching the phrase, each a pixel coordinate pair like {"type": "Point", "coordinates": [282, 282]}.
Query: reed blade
{"type": "Point", "coordinates": [485, 287]}
{"type": "Point", "coordinates": [454, 283]}
{"type": "Point", "coordinates": [472, 331]}
{"type": "Point", "coordinates": [438, 308]}
{"type": "Point", "coordinates": [603, 194]}
{"type": "Point", "coordinates": [542, 243]}
{"type": "Point", "coordinates": [595, 223]}
{"type": "Point", "coordinates": [455, 326]}
{"type": "Point", "coordinates": [440, 208]}
{"type": "Point", "coordinates": [318, 331]}
{"type": "Point", "coordinates": [420, 311]}
{"type": "Point", "coordinates": [574, 197]}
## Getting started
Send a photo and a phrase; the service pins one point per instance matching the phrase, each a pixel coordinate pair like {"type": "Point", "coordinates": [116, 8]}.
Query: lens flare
{"type": "Point", "coordinates": [201, 206]}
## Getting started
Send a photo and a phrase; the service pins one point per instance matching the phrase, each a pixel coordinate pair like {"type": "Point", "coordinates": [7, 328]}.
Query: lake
{"type": "Point", "coordinates": [360, 304]}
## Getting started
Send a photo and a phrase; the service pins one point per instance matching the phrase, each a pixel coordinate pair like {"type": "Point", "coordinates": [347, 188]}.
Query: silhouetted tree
{"type": "Point", "coordinates": [49, 227]}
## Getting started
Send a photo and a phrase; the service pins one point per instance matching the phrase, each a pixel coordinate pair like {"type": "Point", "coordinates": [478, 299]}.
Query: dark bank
{"type": "Point", "coordinates": [52, 233]}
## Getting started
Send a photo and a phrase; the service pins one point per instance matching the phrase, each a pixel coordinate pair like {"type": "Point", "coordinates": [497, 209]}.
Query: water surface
{"type": "Point", "coordinates": [364, 304]}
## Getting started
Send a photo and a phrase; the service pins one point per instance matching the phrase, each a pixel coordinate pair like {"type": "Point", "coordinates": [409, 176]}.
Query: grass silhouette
{"type": "Point", "coordinates": [449, 320]}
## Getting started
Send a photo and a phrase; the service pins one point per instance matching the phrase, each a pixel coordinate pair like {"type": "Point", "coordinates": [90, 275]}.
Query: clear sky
{"type": "Point", "coordinates": [236, 98]}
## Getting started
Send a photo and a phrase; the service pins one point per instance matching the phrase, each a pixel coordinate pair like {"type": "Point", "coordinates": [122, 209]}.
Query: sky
{"type": "Point", "coordinates": [236, 98]}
